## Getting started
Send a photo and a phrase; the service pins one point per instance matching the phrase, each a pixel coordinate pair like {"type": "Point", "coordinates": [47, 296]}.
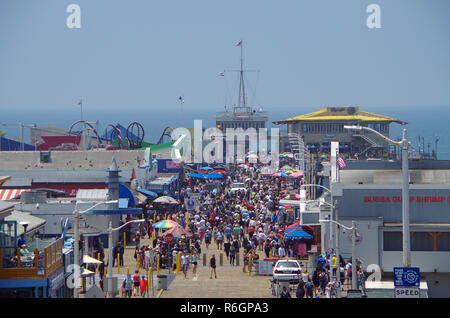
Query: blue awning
{"type": "Point", "coordinates": [125, 193]}
{"type": "Point", "coordinates": [148, 193]}
{"type": "Point", "coordinates": [116, 212]}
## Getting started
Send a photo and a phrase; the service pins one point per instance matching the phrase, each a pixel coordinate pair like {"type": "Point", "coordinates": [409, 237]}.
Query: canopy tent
{"type": "Point", "coordinates": [306, 228]}
{"type": "Point", "coordinates": [297, 234]}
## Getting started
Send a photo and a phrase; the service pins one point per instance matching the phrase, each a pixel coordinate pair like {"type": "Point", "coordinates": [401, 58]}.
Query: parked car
{"type": "Point", "coordinates": [287, 270]}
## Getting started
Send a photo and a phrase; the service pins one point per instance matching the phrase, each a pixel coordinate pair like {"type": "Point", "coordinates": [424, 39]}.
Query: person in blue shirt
{"type": "Point", "coordinates": [21, 241]}
{"type": "Point", "coordinates": [228, 232]}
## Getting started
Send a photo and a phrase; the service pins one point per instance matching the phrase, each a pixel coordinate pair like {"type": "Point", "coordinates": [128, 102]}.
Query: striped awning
{"type": "Point", "coordinates": [8, 194]}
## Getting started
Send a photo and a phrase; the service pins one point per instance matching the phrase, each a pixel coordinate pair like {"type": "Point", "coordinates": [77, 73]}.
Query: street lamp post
{"type": "Point", "coordinates": [110, 248]}
{"type": "Point", "coordinates": [404, 144]}
{"type": "Point", "coordinates": [353, 230]}
{"type": "Point", "coordinates": [302, 197]}
{"type": "Point", "coordinates": [76, 252]}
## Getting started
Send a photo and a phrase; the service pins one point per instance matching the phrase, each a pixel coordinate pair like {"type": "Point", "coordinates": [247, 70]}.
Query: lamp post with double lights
{"type": "Point", "coordinates": [302, 207]}
{"type": "Point", "coordinates": [404, 144]}
{"type": "Point", "coordinates": [76, 252]}
{"type": "Point", "coordinates": [110, 254]}
{"type": "Point", "coordinates": [338, 272]}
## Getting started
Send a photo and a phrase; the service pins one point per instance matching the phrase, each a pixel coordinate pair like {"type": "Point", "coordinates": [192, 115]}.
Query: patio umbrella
{"type": "Point", "coordinates": [86, 272]}
{"type": "Point", "coordinates": [220, 171]}
{"type": "Point", "coordinates": [90, 260]}
{"type": "Point", "coordinates": [166, 199]}
{"type": "Point", "coordinates": [297, 174]}
{"type": "Point", "coordinates": [197, 175]}
{"type": "Point", "coordinates": [214, 175]}
{"type": "Point", "coordinates": [165, 224]}
{"type": "Point", "coordinates": [178, 231]}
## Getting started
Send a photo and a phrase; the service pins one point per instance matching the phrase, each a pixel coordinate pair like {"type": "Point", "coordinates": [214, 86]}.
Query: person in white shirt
{"type": "Point", "coordinates": [281, 252]}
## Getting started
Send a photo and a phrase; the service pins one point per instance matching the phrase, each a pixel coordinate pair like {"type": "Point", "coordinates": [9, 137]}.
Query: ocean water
{"type": "Point", "coordinates": [428, 122]}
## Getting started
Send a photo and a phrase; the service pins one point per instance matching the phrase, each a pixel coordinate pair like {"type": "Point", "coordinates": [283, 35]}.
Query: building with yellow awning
{"type": "Point", "coordinates": [319, 128]}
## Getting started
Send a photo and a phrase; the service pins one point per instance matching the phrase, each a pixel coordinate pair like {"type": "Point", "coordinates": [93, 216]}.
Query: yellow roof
{"type": "Point", "coordinates": [341, 113]}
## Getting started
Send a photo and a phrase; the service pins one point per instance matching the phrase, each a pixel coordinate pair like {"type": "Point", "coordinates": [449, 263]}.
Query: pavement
{"type": "Point", "coordinates": [231, 281]}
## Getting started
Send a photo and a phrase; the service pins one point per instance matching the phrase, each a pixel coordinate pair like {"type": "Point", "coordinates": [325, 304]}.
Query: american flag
{"type": "Point", "coordinates": [341, 162]}
{"type": "Point", "coordinates": [239, 43]}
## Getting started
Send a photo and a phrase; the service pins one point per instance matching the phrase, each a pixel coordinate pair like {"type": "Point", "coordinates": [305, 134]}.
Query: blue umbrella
{"type": "Point", "coordinates": [206, 169]}
{"type": "Point", "coordinates": [214, 175]}
{"type": "Point", "coordinates": [148, 193]}
{"type": "Point", "coordinates": [196, 175]}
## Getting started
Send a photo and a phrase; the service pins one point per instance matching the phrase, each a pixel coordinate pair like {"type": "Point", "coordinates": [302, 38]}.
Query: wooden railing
{"type": "Point", "coordinates": [51, 257]}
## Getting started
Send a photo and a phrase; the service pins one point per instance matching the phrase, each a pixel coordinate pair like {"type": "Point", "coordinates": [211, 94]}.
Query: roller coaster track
{"type": "Point", "coordinates": [167, 131]}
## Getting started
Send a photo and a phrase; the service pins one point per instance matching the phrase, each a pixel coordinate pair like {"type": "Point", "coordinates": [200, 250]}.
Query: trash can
{"type": "Point", "coordinates": [161, 282]}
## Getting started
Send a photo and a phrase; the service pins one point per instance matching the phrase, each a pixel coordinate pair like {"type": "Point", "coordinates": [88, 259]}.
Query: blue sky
{"type": "Point", "coordinates": [141, 55]}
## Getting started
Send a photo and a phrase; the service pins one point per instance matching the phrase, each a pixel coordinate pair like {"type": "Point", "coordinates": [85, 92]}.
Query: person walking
{"type": "Point", "coordinates": [226, 248]}
{"type": "Point", "coordinates": [194, 264]}
{"type": "Point", "coordinates": [285, 293]}
{"type": "Point", "coordinates": [301, 289]}
{"type": "Point", "coordinates": [232, 255]}
{"type": "Point", "coordinates": [245, 261]}
{"type": "Point", "coordinates": [309, 289]}
{"type": "Point", "coordinates": [136, 283]}
{"type": "Point", "coordinates": [212, 264]}
{"type": "Point", "coordinates": [120, 251]}
{"type": "Point", "coordinates": [143, 286]}
{"type": "Point", "coordinates": [128, 286]}
{"type": "Point", "coordinates": [184, 263]}
{"type": "Point", "coordinates": [323, 279]}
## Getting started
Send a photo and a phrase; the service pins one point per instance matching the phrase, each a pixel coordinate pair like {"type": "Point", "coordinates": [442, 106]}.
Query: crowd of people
{"type": "Point", "coordinates": [243, 223]}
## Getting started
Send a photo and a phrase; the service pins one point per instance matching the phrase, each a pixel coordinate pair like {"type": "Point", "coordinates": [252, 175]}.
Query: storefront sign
{"type": "Point", "coordinates": [395, 199]}
{"type": "Point", "coordinates": [55, 282]}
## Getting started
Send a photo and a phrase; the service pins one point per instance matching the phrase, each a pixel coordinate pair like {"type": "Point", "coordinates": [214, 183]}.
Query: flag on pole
{"type": "Point", "coordinates": [239, 43]}
{"type": "Point", "coordinates": [181, 99]}
{"type": "Point", "coordinates": [221, 74]}
{"type": "Point", "coordinates": [341, 162]}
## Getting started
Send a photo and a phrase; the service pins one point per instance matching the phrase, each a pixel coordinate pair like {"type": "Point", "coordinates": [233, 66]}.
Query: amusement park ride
{"type": "Point", "coordinates": [116, 136]}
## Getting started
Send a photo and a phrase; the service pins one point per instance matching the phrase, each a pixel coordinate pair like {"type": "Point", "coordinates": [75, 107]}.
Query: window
{"type": "Point", "coordinates": [45, 156]}
{"type": "Point", "coordinates": [392, 241]}
{"type": "Point", "coordinates": [420, 241]}
{"type": "Point", "coordinates": [443, 241]}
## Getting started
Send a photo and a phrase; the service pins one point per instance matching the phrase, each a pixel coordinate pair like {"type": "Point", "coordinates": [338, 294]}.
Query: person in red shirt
{"type": "Point", "coordinates": [136, 280]}
{"type": "Point", "coordinates": [143, 286]}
